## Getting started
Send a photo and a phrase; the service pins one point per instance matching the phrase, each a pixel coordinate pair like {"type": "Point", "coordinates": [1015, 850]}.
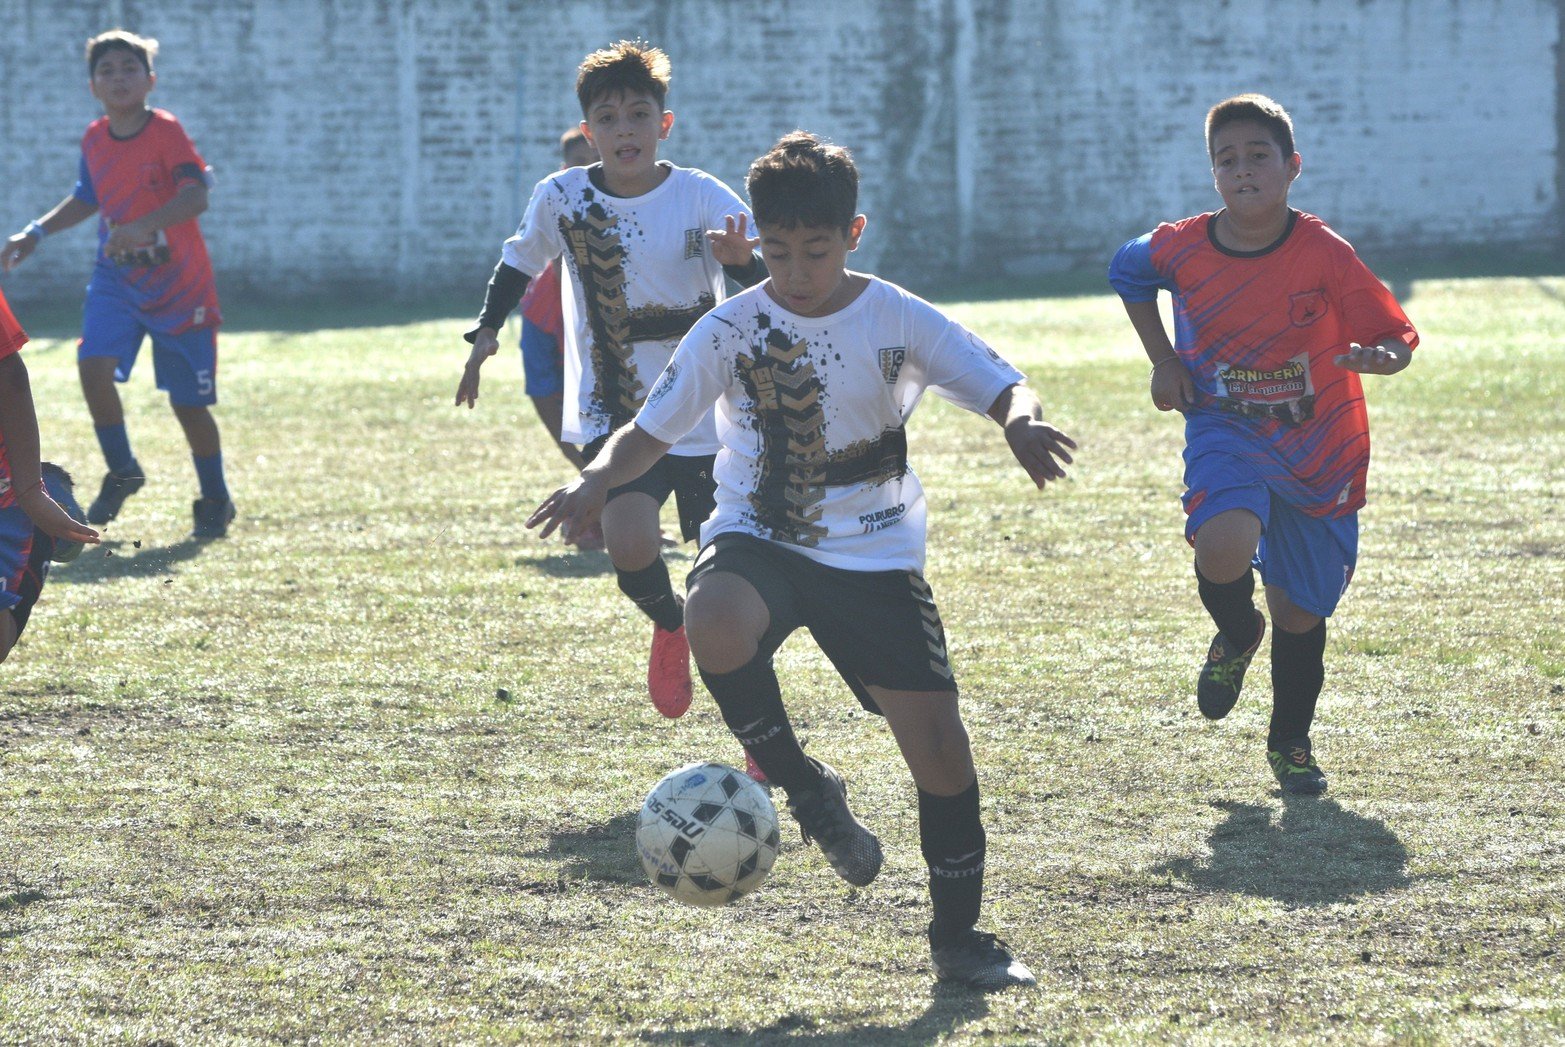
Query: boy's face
{"type": "Point", "coordinates": [625, 129]}
{"type": "Point", "coordinates": [808, 265]}
{"type": "Point", "coordinates": [121, 82]}
{"type": "Point", "coordinates": [580, 154]}
{"type": "Point", "coordinates": [1250, 171]}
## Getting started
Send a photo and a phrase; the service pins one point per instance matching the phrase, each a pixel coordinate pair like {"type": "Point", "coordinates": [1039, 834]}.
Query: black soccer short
{"type": "Point", "coordinates": [687, 477]}
{"type": "Point", "coordinates": [877, 627]}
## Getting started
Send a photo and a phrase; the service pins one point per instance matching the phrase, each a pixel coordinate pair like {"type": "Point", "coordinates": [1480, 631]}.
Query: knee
{"type": "Point", "coordinates": [719, 642]}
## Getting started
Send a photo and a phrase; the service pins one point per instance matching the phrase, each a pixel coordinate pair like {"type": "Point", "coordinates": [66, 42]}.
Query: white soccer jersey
{"type": "Point", "coordinates": [810, 411]}
{"type": "Point", "coordinates": [638, 273]}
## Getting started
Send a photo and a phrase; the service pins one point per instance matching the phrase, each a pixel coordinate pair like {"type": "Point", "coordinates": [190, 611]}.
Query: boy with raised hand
{"type": "Point", "coordinates": [820, 522]}
{"type": "Point", "coordinates": [1275, 318]}
{"type": "Point", "coordinates": [141, 174]}
{"type": "Point", "coordinates": [641, 265]}
{"type": "Point", "coordinates": [39, 517]}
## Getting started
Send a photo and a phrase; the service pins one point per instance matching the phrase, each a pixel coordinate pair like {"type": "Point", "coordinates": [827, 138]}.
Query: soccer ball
{"type": "Point", "coordinates": [707, 834]}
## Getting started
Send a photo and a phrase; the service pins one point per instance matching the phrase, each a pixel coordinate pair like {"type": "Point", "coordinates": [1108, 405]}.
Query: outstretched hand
{"type": "Point", "coordinates": [573, 510]}
{"type": "Point", "coordinates": [48, 517]}
{"type": "Point", "coordinates": [732, 245]}
{"type": "Point", "coordinates": [1040, 448]}
{"type": "Point", "coordinates": [486, 342]}
{"type": "Point", "coordinates": [1375, 359]}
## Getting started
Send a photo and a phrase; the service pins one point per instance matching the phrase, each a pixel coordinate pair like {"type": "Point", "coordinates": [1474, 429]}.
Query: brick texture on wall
{"type": "Point", "coordinates": [381, 148]}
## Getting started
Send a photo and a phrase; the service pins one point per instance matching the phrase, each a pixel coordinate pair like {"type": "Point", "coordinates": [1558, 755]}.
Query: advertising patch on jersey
{"type": "Point", "coordinates": [891, 363]}
{"type": "Point", "coordinates": [1286, 393]}
{"type": "Point", "coordinates": [695, 241]}
{"type": "Point", "coordinates": [1306, 307]}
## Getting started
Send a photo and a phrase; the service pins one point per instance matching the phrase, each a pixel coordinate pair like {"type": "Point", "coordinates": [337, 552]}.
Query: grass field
{"type": "Point", "coordinates": [367, 771]}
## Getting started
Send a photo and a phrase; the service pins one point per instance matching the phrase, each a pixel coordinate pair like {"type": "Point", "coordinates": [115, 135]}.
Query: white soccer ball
{"type": "Point", "coordinates": [707, 834]}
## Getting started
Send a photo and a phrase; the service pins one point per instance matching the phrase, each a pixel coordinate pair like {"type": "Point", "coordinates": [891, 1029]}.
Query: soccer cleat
{"type": "Point", "coordinates": [213, 515]}
{"type": "Point", "coordinates": [979, 961]}
{"type": "Point", "coordinates": [58, 483]}
{"type": "Point", "coordinates": [668, 672]}
{"type": "Point", "coordinates": [822, 812]}
{"type": "Point", "coordinates": [753, 769]}
{"type": "Point", "coordinates": [111, 496]}
{"type": "Point", "coordinates": [1297, 772]}
{"type": "Point", "coordinates": [1222, 676]}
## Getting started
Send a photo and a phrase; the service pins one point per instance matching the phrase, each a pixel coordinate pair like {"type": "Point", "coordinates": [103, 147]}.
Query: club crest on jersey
{"type": "Point", "coordinates": [891, 363]}
{"type": "Point", "coordinates": [1306, 307]}
{"type": "Point", "coordinates": [695, 240]}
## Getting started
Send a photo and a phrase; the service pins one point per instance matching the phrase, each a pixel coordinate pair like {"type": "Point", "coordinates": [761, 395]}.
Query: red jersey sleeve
{"type": "Point", "coordinates": [12, 337]}
{"type": "Point", "coordinates": [1370, 312]}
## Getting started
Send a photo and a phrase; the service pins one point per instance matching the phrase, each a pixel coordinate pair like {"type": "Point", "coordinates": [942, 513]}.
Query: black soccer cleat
{"type": "Point", "coordinates": [111, 496]}
{"type": "Point", "coordinates": [213, 515]}
{"type": "Point", "coordinates": [1222, 676]}
{"type": "Point", "coordinates": [979, 961]}
{"type": "Point", "coordinates": [59, 485]}
{"type": "Point", "coordinates": [823, 816]}
{"type": "Point", "coordinates": [1293, 763]}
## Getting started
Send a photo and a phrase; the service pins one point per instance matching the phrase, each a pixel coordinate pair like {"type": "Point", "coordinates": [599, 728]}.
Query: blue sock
{"type": "Point", "coordinates": [115, 442]}
{"type": "Point", "coordinates": [209, 471]}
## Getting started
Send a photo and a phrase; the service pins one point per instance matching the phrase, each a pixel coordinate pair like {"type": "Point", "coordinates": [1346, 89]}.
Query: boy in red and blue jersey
{"type": "Point", "coordinates": [1275, 318]}
{"type": "Point", "coordinates": [140, 173]}
{"type": "Point", "coordinates": [37, 511]}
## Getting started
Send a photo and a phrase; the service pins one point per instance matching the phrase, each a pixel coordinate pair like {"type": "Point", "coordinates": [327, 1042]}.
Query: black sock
{"type": "Point", "coordinates": [1298, 671]}
{"type": "Point", "coordinates": [1231, 606]}
{"type": "Point", "coordinates": [951, 833]}
{"type": "Point", "coordinates": [651, 591]}
{"type": "Point", "coordinates": [751, 702]}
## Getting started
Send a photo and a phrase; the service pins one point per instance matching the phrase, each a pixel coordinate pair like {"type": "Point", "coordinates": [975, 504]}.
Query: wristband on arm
{"type": "Point", "coordinates": [35, 228]}
{"type": "Point", "coordinates": [501, 297]}
{"type": "Point", "coordinates": [749, 274]}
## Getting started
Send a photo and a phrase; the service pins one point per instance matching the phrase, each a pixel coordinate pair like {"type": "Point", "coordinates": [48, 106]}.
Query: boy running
{"type": "Point", "coordinates": [143, 177]}
{"type": "Point", "coordinates": [38, 515]}
{"type": "Point", "coordinates": [1275, 318]}
{"type": "Point", "coordinates": [640, 267]}
{"type": "Point", "coordinates": [820, 522]}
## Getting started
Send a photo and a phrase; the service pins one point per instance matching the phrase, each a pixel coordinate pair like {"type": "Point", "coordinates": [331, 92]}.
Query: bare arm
{"type": "Point", "coordinates": [66, 213]}
{"type": "Point", "coordinates": [1171, 384]}
{"type": "Point", "coordinates": [1035, 443]}
{"type": "Point", "coordinates": [189, 202]}
{"type": "Point", "coordinates": [576, 506]}
{"type": "Point", "coordinates": [19, 428]}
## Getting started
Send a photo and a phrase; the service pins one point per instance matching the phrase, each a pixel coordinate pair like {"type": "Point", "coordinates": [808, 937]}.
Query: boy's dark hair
{"type": "Point", "coordinates": [1256, 107]}
{"type": "Point", "coordinates": [143, 47]}
{"type": "Point", "coordinates": [804, 180]}
{"type": "Point", "coordinates": [570, 139]}
{"type": "Point", "coordinates": [631, 66]}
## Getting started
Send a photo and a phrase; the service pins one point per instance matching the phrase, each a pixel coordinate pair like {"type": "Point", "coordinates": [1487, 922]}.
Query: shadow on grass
{"type": "Point", "coordinates": [106, 561]}
{"type": "Point", "coordinates": [570, 565]}
{"type": "Point", "coordinates": [604, 853]}
{"type": "Point", "coordinates": [19, 899]}
{"type": "Point", "coordinates": [949, 1008]}
{"type": "Point", "coordinates": [1315, 854]}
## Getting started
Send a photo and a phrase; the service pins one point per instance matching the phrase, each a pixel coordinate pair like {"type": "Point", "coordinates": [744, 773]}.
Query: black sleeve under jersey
{"type": "Point", "coordinates": [749, 274]}
{"type": "Point", "coordinates": [505, 290]}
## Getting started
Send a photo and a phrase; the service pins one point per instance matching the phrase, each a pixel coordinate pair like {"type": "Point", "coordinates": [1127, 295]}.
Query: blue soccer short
{"type": "Point", "coordinates": [184, 365]}
{"type": "Point", "coordinates": [24, 563]}
{"type": "Point", "coordinates": [543, 369]}
{"type": "Point", "coordinates": [1311, 558]}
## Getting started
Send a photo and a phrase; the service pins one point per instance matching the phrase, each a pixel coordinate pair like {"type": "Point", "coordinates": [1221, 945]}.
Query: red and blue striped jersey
{"type": "Point", "coordinates": [170, 281]}
{"type": "Point", "coordinates": [12, 338]}
{"type": "Point", "coordinates": [1258, 332]}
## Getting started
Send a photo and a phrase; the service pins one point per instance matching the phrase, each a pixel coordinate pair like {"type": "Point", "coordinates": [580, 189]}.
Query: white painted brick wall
{"type": "Point", "coordinates": [382, 148]}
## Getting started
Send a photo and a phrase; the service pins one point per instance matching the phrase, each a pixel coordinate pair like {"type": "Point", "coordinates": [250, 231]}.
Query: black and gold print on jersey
{"type": "Point", "coordinates": [592, 238]}
{"type": "Point", "coordinates": [796, 467]}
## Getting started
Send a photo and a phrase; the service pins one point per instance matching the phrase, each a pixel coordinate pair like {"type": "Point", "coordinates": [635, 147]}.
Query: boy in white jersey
{"type": "Point", "coordinates": [820, 523]}
{"type": "Point", "coordinates": [641, 265]}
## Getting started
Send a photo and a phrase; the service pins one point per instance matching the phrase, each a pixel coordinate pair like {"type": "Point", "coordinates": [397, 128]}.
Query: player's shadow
{"type": "Point", "coordinates": [605, 853]}
{"type": "Point", "coordinates": [950, 1007]}
{"type": "Point", "coordinates": [570, 565]}
{"type": "Point", "coordinates": [1314, 854]}
{"type": "Point", "coordinates": [121, 559]}
{"type": "Point", "coordinates": [18, 899]}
